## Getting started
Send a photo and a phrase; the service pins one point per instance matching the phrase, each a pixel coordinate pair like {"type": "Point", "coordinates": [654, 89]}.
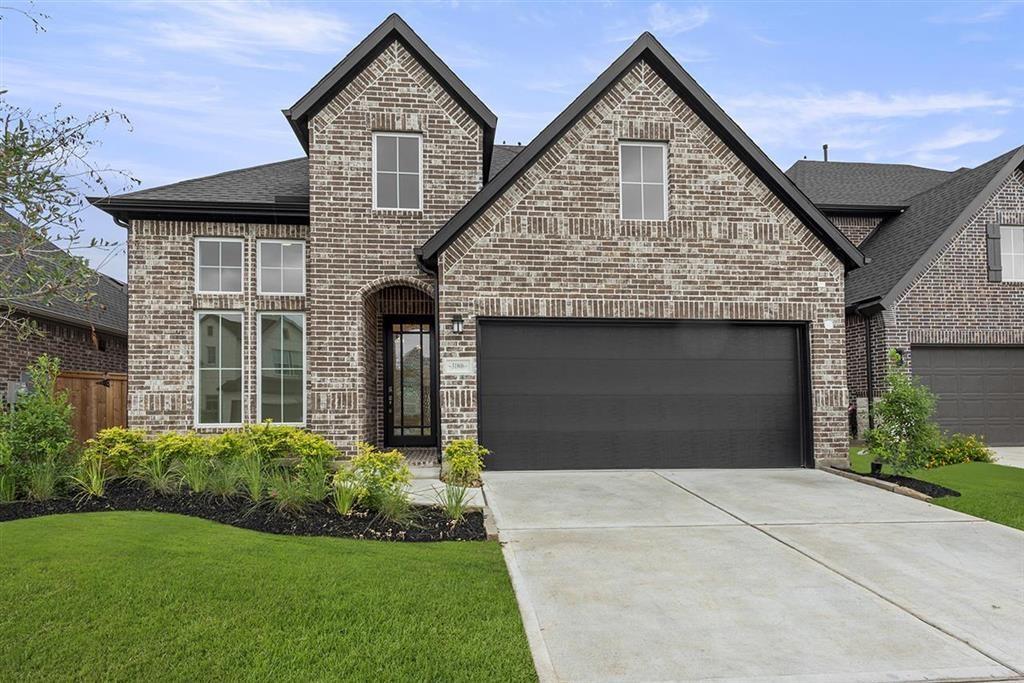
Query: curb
{"type": "Point", "coordinates": [878, 483]}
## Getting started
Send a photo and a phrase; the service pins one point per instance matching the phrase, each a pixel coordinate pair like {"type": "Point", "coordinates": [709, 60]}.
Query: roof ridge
{"type": "Point", "coordinates": [212, 175]}
{"type": "Point", "coordinates": [959, 174]}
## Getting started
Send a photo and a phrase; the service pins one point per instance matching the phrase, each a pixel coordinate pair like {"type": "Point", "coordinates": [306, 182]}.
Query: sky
{"type": "Point", "coordinates": [203, 83]}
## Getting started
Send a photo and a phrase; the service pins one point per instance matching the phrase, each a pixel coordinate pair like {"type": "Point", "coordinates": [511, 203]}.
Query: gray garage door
{"type": "Point", "coordinates": [980, 389]}
{"type": "Point", "coordinates": [571, 395]}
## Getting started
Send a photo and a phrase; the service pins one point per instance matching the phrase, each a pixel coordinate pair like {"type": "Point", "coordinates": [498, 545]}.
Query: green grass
{"type": "Point", "coordinates": [987, 490]}
{"type": "Point", "coordinates": [155, 597]}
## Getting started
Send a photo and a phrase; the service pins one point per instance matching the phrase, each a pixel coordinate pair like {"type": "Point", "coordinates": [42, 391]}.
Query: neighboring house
{"type": "Point", "coordinates": [639, 286]}
{"type": "Point", "coordinates": [90, 338]}
{"type": "Point", "coordinates": [944, 283]}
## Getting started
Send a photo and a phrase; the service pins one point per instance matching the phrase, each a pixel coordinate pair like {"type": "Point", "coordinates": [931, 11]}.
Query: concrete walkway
{"type": "Point", "coordinates": [755, 575]}
{"type": "Point", "coordinates": [1012, 456]}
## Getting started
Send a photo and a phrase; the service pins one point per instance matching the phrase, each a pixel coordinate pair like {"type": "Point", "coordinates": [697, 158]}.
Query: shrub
{"type": "Point", "coordinates": [222, 479]}
{"type": "Point", "coordinates": [960, 448]}
{"type": "Point", "coordinates": [311, 448]}
{"type": "Point", "coordinates": [172, 446]}
{"type": "Point", "coordinates": [43, 479]}
{"type": "Point", "coordinates": [8, 484]}
{"type": "Point", "coordinates": [120, 449]}
{"type": "Point", "coordinates": [377, 473]}
{"type": "Point", "coordinates": [159, 473]}
{"type": "Point", "coordinates": [39, 426]}
{"type": "Point", "coordinates": [453, 501]}
{"type": "Point", "coordinates": [228, 445]}
{"type": "Point", "coordinates": [905, 436]}
{"type": "Point", "coordinates": [268, 440]}
{"type": "Point", "coordinates": [287, 492]}
{"type": "Point", "coordinates": [8, 492]}
{"type": "Point", "coordinates": [251, 476]}
{"type": "Point", "coordinates": [90, 477]}
{"type": "Point", "coordinates": [344, 493]}
{"type": "Point", "coordinates": [464, 462]}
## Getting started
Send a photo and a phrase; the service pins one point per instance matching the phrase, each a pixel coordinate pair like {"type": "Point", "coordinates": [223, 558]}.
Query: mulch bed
{"type": "Point", "coordinates": [925, 487]}
{"type": "Point", "coordinates": [319, 519]}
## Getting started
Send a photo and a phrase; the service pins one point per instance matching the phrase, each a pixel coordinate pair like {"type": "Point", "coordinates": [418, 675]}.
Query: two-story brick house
{"type": "Point", "coordinates": [944, 283]}
{"type": "Point", "coordinates": [638, 286]}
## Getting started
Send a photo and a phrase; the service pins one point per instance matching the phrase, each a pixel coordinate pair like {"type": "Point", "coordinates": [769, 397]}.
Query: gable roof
{"type": "Point", "coordinates": [278, 191]}
{"type": "Point", "coordinates": [648, 49]}
{"type": "Point", "coordinates": [503, 155]}
{"type": "Point", "coordinates": [842, 184]}
{"type": "Point", "coordinates": [391, 29]}
{"type": "Point", "coordinates": [904, 245]}
{"type": "Point", "coordinates": [107, 311]}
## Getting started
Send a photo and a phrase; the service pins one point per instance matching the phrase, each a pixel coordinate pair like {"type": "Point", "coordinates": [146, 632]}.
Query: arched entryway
{"type": "Point", "coordinates": [400, 408]}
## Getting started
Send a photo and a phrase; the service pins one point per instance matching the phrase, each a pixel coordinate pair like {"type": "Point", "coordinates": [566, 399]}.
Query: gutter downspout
{"type": "Point", "coordinates": [435, 369]}
{"type": "Point", "coordinates": [871, 373]}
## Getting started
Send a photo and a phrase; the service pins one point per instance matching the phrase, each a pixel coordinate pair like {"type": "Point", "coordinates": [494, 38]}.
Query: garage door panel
{"type": "Point", "coordinates": [556, 394]}
{"type": "Point", "coordinates": [980, 389]}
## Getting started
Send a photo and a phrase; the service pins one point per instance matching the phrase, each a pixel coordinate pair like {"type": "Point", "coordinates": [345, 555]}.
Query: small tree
{"type": "Point", "coordinates": [905, 436]}
{"type": "Point", "coordinates": [38, 426]}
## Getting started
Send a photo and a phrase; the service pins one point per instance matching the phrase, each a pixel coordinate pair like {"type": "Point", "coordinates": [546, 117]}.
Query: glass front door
{"type": "Point", "coordinates": [409, 403]}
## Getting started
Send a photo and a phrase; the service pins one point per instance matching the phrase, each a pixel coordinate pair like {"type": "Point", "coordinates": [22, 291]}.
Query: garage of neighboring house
{"type": "Point", "coordinates": [980, 389]}
{"type": "Point", "coordinates": [587, 394]}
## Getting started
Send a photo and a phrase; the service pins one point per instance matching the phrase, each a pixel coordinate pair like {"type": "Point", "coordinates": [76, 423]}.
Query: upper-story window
{"type": "Point", "coordinates": [218, 265]}
{"type": "Point", "coordinates": [643, 180]}
{"type": "Point", "coordinates": [397, 164]}
{"type": "Point", "coordinates": [1011, 252]}
{"type": "Point", "coordinates": [282, 266]}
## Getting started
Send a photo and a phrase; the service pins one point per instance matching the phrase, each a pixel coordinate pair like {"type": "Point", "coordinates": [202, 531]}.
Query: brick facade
{"type": "Point", "coordinates": [75, 346]}
{"type": "Point", "coordinates": [952, 301]}
{"type": "Point", "coordinates": [355, 252]}
{"type": "Point", "coordinates": [856, 228]}
{"type": "Point", "coordinates": [553, 245]}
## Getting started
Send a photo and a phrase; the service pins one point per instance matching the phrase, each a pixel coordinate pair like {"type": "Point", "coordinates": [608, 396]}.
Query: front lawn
{"type": "Point", "coordinates": [987, 490]}
{"type": "Point", "coordinates": [152, 596]}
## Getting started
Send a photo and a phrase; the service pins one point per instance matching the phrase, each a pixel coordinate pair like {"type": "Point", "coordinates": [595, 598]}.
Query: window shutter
{"type": "Point", "coordinates": [995, 266]}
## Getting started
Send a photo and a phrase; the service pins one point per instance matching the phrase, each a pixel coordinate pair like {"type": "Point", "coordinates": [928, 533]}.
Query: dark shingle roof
{"type": "Point", "coordinates": [841, 183]}
{"type": "Point", "coordinates": [257, 184]}
{"type": "Point", "coordinates": [501, 157]}
{"type": "Point", "coordinates": [107, 310]}
{"type": "Point", "coordinates": [901, 241]}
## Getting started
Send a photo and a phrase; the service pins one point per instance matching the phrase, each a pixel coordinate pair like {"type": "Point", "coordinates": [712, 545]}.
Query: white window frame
{"type": "Point", "coordinates": [259, 365]}
{"type": "Point", "coordinates": [1003, 232]}
{"type": "Point", "coordinates": [196, 368]}
{"type": "Point", "coordinates": [259, 267]}
{"type": "Point", "coordinates": [195, 274]}
{"type": "Point", "coordinates": [664, 175]}
{"type": "Point", "coordinates": [385, 133]}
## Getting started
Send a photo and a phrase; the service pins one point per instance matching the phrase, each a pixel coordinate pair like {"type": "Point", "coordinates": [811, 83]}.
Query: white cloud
{"type": "Point", "coordinates": [243, 32]}
{"type": "Point", "coordinates": [668, 21]}
{"type": "Point", "coordinates": [988, 13]}
{"type": "Point", "coordinates": [958, 136]}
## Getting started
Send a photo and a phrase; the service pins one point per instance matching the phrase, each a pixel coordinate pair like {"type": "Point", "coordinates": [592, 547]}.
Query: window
{"type": "Point", "coordinates": [218, 265]}
{"type": "Point", "coordinates": [282, 376]}
{"type": "Point", "coordinates": [1011, 252]}
{"type": "Point", "coordinates": [642, 172]}
{"type": "Point", "coordinates": [282, 267]}
{"type": "Point", "coordinates": [397, 159]}
{"type": "Point", "coordinates": [218, 368]}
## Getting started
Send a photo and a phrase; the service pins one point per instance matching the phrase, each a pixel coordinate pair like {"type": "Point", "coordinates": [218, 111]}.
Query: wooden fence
{"type": "Point", "coordinates": [100, 400]}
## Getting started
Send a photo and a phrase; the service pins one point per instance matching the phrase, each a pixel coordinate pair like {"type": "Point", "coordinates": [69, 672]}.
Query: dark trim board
{"type": "Point", "coordinates": [493, 394]}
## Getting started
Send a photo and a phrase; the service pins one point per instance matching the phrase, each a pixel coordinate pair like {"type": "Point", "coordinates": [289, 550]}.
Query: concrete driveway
{"type": "Point", "coordinates": [762, 575]}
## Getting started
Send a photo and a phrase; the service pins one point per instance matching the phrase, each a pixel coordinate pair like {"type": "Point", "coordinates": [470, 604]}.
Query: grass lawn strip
{"type": "Point", "coordinates": [129, 596]}
{"type": "Point", "coordinates": [987, 490]}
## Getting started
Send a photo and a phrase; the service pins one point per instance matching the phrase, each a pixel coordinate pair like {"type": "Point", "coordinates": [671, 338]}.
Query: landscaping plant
{"type": "Point", "coordinates": [464, 462]}
{"type": "Point", "coordinates": [43, 479]}
{"type": "Point", "coordinates": [120, 449]}
{"type": "Point", "coordinates": [90, 477]}
{"type": "Point", "coordinates": [251, 476]}
{"type": "Point", "coordinates": [377, 473]}
{"type": "Point", "coordinates": [195, 474]}
{"type": "Point", "coordinates": [8, 489]}
{"type": "Point", "coordinates": [960, 448]}
{"type": "Point", "coordinates": [905, 436]}
{"type": "Point", "coordinates": [159, 473]}
{"type": "Point", "coordinates": [453, 500]}
{"type": "Point", "coordinates": [314, 475]}
{"type": "Point", "coordinates": [268, 441]}
{"type": "Point", "coordinates": [394, 505]}
{"type": "Point", "coordinates": [228, 445]}
{"type": "Point", "coordinates": [222, 478]}
{"type": "Point", "coordinates": [175, 447]}
{"type": "Point", "coordinates": [287, 492]}
{"type": "Point", "coordinates": [344, 493]}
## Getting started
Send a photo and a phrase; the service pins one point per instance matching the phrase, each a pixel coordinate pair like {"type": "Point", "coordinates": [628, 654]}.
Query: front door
{"type": "Point", "coordinates": [409, 409]}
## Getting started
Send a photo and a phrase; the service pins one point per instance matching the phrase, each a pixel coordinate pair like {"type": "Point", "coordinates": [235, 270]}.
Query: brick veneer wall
{"type": "Point", "coordinates": [161, 316]}
{"type": "Point", "coordinates": [72, 344]}
{"type": "Point", "coordinates": [553, 245]}
{"type": "Point", "coordinates": [856, 228]}
{"type": "Point", "coordinates": [952, 301]}
{"type": "Point", "coordinates": [355, 250]}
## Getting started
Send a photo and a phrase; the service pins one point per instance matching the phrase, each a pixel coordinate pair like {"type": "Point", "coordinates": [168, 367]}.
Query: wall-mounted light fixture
{"type": "Point", "coordinates": [457, 324]}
